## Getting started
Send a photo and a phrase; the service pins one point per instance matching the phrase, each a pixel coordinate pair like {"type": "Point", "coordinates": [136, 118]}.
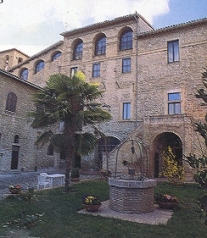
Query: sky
{"type": "Point", "coordinates": [32, 25]}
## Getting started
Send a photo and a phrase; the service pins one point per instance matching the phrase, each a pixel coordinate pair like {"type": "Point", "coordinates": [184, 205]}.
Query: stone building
{"type": "Point", "coordinates": [17, 149]}
{"type": "Point", "coordinates": [10, 58]}
{"type": "Point", "coordinates": [149, 77]}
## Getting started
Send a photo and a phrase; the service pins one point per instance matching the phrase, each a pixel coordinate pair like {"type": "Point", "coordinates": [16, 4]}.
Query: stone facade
{"type": "Point", "coordinates": [17, 138]}
{"type": "Point", "coordinates": [10, 58]}
{"type": "Point", "coordinates": [146, 86]}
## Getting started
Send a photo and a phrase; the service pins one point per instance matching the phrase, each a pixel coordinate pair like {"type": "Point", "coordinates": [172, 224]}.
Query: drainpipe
{"type": "Point", "coordinates": [136, 70]}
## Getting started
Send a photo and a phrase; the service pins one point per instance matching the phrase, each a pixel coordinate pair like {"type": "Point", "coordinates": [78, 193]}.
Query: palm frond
{"type": "Point", "coordinates": [44, 138]}
{"type": "Point", "coordinates": [85, 143]}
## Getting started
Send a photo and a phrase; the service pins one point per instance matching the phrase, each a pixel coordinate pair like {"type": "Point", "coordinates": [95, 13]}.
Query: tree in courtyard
{"type": "Point", "coordinates": [70, 101]}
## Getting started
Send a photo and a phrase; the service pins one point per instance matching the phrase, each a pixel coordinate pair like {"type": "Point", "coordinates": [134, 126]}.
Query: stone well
{"type": "Point", "coordinates": [131, 195]}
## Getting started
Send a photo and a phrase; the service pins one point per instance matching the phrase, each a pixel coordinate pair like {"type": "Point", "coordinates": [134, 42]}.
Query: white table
{"type": "Point", "coordinates": [56, 180]}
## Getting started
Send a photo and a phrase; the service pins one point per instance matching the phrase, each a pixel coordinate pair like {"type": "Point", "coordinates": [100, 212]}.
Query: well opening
{"type": "Point", "coordinates": [130, 190]}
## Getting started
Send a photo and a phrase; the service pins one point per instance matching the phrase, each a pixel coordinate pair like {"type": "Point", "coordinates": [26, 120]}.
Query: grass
{"type": "Point", "coordinates": [61, 219]}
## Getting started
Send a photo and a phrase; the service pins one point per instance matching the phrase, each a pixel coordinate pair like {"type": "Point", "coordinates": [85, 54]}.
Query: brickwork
{"type": "Point", "coordinates": [10, 58]}
{"type": "Point", "coordinates": [130, 196]}
{"type": "Point", "coordinates": [146, 86]}
{"type": "Point", "coordinates": [18, 124]}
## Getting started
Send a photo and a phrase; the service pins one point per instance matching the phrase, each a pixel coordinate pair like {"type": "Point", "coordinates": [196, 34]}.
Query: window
{"type": "Point", "coordinates": [73, 71]}
{"type": "Point", "coordinates": [11, 102]}
{"type": "Point", "coordinates": [100, 46]}
{"type": "Point", "coordinates": [174, 103]}
{"type": "Point", "coordinates": [56, 55]}
{"type": "Point", "coordinates": [39, 66]}
{"type": "Point", "coordinates": [126, 65]}
{"type": "Point", "coordinates": [96, 70]}
{"type": "Point", "coordinates": [78, 50]}
{"type": "Point", "coordinates": [62, 126]}
{"type": "Point", "coordinates": [173, 51]}
{"type": "Point", "coordinates": [126, 110]}
{"type": "Point", "coordinates": [20, 59]}
{"type": "Point", "coordinates": [24, 74]}
{"type": "Point", "coordinates": [50, 150]}
{"type": "Point", "coordinates": [16, 139]}
{"type": "Point", "coordinates": [126, 40]}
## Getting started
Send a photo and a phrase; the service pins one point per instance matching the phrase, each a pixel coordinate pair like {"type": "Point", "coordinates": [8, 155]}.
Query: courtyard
{"type": "Point", "coordinates": [62, 216]}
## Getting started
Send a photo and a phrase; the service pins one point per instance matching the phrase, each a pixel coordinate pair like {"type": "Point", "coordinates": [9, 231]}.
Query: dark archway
{"type": "Point", "coordinates": [105, 146]}
{"type": "Point", "coordinates": [161, 143]}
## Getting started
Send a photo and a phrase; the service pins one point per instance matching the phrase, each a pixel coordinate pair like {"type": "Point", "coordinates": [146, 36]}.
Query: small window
{"type": "Point", "coordinates": [126, 65]}
{"type": "Point", "coordinates": [50, 150]}
{"type": "Point", "coordinates": [126, 40]}
{"type": "Point", "coordinates": [126, 111]}
{"type": "Point", "coordinates": [96, 70]}
{"type": "Point", "coordinates": [78, 50]}
{"type": "Point", "coordinates": [56, 55]}
{"type": "Point", "coordinates": [39, 66]}
{"type": "Point", "coordinates": [100, 46]}
{"type": "Point", "coordinates": [11, 102]}
{"type": "Point", "coordinates": [73, 71]}
{"type": "Point", "coordinates": [20, 60]}
{"type": "Point", "coordinates": [24, 74]}
{"type": "Point", "coordinates": [16, 139]}
{"type": "Point", "coordinates": [174, 103]}
{"type": "Point", "coordinates": [173, 51]}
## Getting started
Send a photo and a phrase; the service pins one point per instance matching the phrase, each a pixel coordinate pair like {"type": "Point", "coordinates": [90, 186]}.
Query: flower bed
{"type": "Point", "coordinates": [166, 201]}
{"type": "Point", "coordinates": [15, 189]}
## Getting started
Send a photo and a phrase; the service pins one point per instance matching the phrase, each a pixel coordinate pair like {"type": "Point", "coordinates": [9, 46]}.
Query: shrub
{"type": "Point", "coordinates": [170, 167]}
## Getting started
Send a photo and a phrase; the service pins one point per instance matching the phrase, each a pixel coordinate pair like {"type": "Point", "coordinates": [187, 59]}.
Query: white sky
{"type": "Point", "coordinates": [32, 25]}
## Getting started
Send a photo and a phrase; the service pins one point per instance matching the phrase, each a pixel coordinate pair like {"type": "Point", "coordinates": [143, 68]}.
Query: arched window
{"type": "Point", "coordinates": [24, 74]}
{"type": "Point", "coordinates": [50, 150]}
{"type": "Point", "coordinates": [11, 102]}
{"type": "Point", "coordinates": [100, 45]}
{"type": "Point", "coordinates": [39, 66]}
{"type": "Point", "coordinates": [16, 139]}
{"type": "Point", "coordinates": [56, 55]}
{"type": "Point", "coordinates": [126, 40]}
{"type": "Point", "coordinates": [78, 50]}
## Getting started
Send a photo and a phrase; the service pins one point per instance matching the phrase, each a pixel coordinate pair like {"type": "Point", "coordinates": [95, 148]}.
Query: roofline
{"type": "Point", "coordinates": [4, 51]}
{"type": "Point", "coordinates": [106, 23]}
{"type": "Point", "coordinates": [172, 27]}
{"type": "Point", "coordinates": [37, 55]}
{"type": "Point", "coordinates": [19, 79]}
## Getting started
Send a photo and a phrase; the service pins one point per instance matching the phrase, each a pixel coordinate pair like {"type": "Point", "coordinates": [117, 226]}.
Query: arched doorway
{"type": "Point", "coordinates": [161, 143]}
{"type": "Point", "coordinates": [105, 146]}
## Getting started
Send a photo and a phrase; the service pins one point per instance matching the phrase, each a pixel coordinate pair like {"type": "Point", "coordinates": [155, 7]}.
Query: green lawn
{"type": "Point", "coordinates": [61, 219]}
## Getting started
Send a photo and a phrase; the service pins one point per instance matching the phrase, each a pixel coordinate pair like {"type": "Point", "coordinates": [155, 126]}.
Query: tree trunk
{"type": "Point", "coordinates": [67, 175]}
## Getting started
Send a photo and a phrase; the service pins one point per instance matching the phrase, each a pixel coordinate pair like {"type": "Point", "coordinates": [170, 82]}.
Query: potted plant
{"type": "Point", "coordinates": [15, 189]}
{"type": "Point", "coordinates": [75, 174]}
{"type": "Point", "coordinates": [166, 201]}
{"type": "Point", "coordinates": [91, 203]}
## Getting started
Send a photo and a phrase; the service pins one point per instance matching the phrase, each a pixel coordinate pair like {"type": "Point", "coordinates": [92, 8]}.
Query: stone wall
{"type": "Point", "coordinates": [146, 87]}
{"type": "Point", "coordinates": [18, 124]}
{"type": "Point", "coordinates": [10, 58]}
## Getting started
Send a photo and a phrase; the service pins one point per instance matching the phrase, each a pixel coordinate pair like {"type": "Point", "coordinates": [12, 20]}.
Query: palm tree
{"type": "Point", "coordinates": [71, 101]}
